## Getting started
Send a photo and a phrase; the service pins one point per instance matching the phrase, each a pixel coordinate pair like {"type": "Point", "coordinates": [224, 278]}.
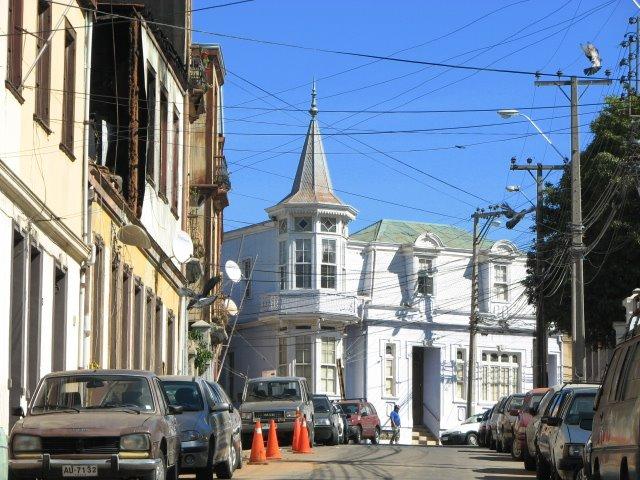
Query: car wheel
{"type": "Point", "coordinates": [376, 437]}
{"type": "Point", "coordinates": [472, 439]}
{"type": "Point", "coordinates": [516, 450]}
{"type": "Point", "coordinates": [335, 437]}
{"type": "Point", "coordinates": [240, 462]}
{"type": "Point", "coordinates": [543, 472]}
{"type": "Point", "coordinates": [161, 469]}
{"type": "Point", "coordinates": [225, 469]}
{"type": "Point", "coordinates": [357, 438]}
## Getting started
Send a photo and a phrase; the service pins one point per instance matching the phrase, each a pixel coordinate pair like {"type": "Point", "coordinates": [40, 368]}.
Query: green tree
{"type": "Point", "coordinates": [611, 207]}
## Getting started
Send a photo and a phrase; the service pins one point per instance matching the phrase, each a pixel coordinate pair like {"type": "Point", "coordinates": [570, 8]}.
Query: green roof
{"type": "Point", "coordinates": [403, 232]}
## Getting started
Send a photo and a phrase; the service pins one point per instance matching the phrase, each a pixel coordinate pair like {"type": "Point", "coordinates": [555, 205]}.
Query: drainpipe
{"type": "Point", "coordinates": [86, 218]}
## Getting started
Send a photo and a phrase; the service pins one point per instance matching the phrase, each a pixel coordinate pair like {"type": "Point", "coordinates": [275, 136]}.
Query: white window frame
{"type": "Point", "coordinates": [283, 264]}
{"type": "Point", "coordinates": [391, 359]}
{"type": "Point", "coordinates": [328, 365]}
{"type": "Point", "coordinates": [308, 262]}
{"type": "Point", "coordinates": [500, 377]}
{"type": "Point", "coordinates": [325, 276]}
{"type": "Point", "coordinates": [502, 283]}
{"type": "Point", "coordinates": [332, 228]}
{"type": "Point", "coordinates": [460, 372]}
{"type": "Point", "coordinates": [306, 342]}
{"type": "Point", "coordinates": [427, 273]}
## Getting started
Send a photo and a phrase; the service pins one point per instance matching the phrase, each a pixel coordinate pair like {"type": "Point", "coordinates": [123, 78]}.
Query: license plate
{"type": "Point", "coordinates": [79, 471]}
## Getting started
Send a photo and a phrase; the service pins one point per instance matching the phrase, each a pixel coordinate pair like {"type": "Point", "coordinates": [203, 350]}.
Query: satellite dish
{"type": "Point", "coordinates": [134, 235]}
{"type": "Point", "coordinates": [233, 271]}
{"type": "Point", "coordinates": [182, 246]}
{"type": "Point", "coordinates": [230, 306]}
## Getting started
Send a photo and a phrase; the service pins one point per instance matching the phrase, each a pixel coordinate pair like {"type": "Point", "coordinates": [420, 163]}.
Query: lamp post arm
{"type": "Point", "coordinates": [535, 125]}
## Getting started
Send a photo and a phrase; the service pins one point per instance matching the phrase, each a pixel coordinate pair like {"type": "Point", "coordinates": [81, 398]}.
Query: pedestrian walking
{"type": "Point", "coordinates": [395, 425]}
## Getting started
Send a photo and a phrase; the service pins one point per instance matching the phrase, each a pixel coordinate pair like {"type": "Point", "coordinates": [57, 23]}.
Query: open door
{"type": "Point", "coordinates": [417, 384]}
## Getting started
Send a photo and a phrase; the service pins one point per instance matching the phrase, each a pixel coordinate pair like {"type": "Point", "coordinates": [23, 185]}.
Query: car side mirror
{"type": "Point", "coordinates": [586, 424]}
{"type": "Point", "coordinates": [221, 407]}
{"type": "Point", "coordinates": [175, 409]}
{"type": "Point", "coordinates": [17, 412]}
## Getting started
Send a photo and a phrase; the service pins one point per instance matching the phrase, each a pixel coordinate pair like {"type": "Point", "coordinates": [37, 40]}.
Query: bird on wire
{"type": "Point", "coordinates": [591, 52]}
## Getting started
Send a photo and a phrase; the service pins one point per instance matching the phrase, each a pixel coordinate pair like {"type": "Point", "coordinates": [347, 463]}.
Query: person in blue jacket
{"type": "Point", "coordinates": [395, 425]}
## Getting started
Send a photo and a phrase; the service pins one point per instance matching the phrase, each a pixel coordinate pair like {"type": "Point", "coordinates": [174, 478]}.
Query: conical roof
{"type": "Point", "coordinates": [312, 183]}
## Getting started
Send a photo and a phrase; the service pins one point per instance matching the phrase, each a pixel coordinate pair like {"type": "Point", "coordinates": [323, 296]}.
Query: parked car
{"type": "Point", "coordinates": [492, 424]}
{"type": "Point", "coordinates": [482, 429]}
{"type": "Point", "coordinates": [529, 408]}
{"type": "Point", "coordinates": [364, 422]}
{"type": "Point", "coordinates": [234, 416]}
{"type": "Point", "coordinates": [112, 424]}
{"type": "Point", "coordinates": [506, 419]}
{"type": "Point", "coordinates": [345, 421]}
{"type": "Point", "coordinates": [464, 434]}
{"type": "Point", "coordinates": [616, 428]}
{"type": "Point", "coordinates": [585, 473]}
{"type": "Point", "coordinates": [563, 432]}
{"type": "Point", "coordinates": [277, 398]}
{"type": "Point", "coordinates": [328, 424]}
{"type": "Point", "coordinates": [210, 441]}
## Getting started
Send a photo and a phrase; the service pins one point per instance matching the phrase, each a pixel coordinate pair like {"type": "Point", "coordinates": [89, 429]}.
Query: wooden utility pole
{"type": "Point", "coordinates": [577, 245]}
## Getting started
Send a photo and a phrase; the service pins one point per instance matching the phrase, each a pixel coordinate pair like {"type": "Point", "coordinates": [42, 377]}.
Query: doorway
{"type": "Point", "coordinates": [417, 385]}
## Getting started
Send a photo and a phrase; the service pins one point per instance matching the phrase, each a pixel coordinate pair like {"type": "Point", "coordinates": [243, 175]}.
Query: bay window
{"type": "Point", "coordinates": [328, 365]}
{"type": "Point", "coordinates": [303, 263]}
{"type": "Point", "coordinates": [328, 267]}
{"type": "Point", "coordinates": [282, 264]}
{"type": "Point", "coordinates": [303, 357]}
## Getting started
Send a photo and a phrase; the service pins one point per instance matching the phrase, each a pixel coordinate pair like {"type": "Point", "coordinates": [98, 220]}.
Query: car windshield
{"type": "Point", "coordinates": [516, 402]}
{"type": "Point", "coordinates": [184, 394]}
{"type": "Point", "coordinates": [581, 408]}
{"type": "Point", "coordinates": [265, 390]}
{"type": "Point", "coordinates": [91, 392]}
{"type": "Point", "coordinates": [321, 405]}
{"type": "Point", "coordinates": [349, 408]}
{"type": "Point", "coordinates": [535, 400]}
{"type": "Point", "coordinates": [474, 419]}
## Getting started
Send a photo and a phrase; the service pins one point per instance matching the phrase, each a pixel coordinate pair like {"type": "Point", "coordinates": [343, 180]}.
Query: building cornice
{"type": "Point", "coordinates": [38, 212]}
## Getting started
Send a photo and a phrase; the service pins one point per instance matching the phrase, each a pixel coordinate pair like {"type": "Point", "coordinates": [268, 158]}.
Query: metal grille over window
{"type": "Point", "coordinates": [501, 288]}
{"type": "Point", "coordinates": [328, 365]}
{"type": "Point", "coordinates": [328, 268]}
{"type": "Point", "coordinates": [282, 264]}
{"type": "Point", "coordinates": [425, 276]}
{"type": "Point", "coordinates": [500, 375]}
{"type": "Point", "coordinates": [328, 224]}
{"type": "Point", "coordinates": [303, 263]}
{"type": "Point", "coordinates": [282, 226]}
{"type": "Point", "coordinates": [303, 224]}
{"type": "Point", "coordinates": [303, 357]}
{"type": "Point", "coordinates": [390, 370]}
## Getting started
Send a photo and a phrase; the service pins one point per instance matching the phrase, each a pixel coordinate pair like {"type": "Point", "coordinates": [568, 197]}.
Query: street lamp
{"type": "Point", "coordinates": [512, 112]}
{"type": "Point", "coordinates": [517, 188]}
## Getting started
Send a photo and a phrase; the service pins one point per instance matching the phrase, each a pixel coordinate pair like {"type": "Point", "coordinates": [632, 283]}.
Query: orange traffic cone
{"type": "Point", "coordinates": [296, 434]}
{"type": "Point", "coordinates": [273, 450]}
{"type": "Point", "coordinates": [258, 453]}
{"type": "Point", "coordinates": [303, 440]}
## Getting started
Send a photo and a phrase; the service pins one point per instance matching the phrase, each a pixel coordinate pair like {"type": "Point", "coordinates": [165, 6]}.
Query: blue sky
{"type": "Point", "coordinates": [263, 141]}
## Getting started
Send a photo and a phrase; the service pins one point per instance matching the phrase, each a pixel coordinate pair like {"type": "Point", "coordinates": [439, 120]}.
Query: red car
{"type": "Point", "coordinates": [363, 419]}
{"type": "Point", "coordinates": [520, 451]}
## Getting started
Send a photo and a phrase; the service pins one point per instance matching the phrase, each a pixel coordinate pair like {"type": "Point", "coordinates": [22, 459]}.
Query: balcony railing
{"type": "Point", "coordinates": [309, 301]}
{"type": "Point", "coordinates": [221, 173]}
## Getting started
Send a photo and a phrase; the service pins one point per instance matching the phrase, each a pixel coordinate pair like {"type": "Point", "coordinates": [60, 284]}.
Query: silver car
{"type": "Point", "coordinates": [563, 432]}
{"type": "Point", "coordinates": [209, 435]}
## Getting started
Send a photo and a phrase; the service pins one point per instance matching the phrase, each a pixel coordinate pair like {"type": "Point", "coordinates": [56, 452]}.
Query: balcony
{"type": "Point", "coordinates": [305, 302]}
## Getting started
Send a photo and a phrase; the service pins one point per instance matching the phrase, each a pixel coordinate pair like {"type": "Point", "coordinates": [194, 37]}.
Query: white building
{"type": "Point", "coordinates": [389, 305]}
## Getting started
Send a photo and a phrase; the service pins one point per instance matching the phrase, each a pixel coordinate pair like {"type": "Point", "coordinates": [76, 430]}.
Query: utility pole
{"type": "Point", "coordinates": [577, 246]}
{"type": "Point", "coordinates": [540, 376]}
{"type": "Point", "coordinates": [479, 234]}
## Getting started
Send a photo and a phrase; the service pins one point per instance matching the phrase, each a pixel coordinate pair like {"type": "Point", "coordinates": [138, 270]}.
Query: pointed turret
{"type": "Point", "coordinates": [312, 183]}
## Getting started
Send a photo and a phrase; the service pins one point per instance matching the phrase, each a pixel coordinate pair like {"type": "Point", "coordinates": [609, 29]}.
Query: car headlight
{"type": "Point", "coordinates": [246, 416]}
{"type": "Point", "coordinates": [26, 443]}
{"type": "Point", "coordinates": [190, 436]}
{"type": "Point", "coordinates": [135, 442]}
{"type": "Point", "coordinates": [323, 421]}
{"type": "Point", "coordinates": [575, 450]}
{"type": "Point", "coordinates": [291, 413]}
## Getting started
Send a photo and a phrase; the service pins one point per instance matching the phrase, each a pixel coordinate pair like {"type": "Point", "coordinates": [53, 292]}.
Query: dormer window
{"type": "Point", "coordinates": [328, 224]}
{"type": "Point", "coordinates": [425, 276]}
{"type": "Point", "coordinates": [282, 226]}
{"type": "Point", "coordinates": [303, 224]}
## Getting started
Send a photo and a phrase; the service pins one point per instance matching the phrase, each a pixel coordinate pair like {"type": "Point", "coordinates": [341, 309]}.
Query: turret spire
{"type": "Point", "coordinates": [313, 111]}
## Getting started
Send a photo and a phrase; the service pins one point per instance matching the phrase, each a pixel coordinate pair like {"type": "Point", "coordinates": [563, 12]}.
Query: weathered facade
{"type": "Point", "coordinates": [208, 185]}
{"type": "Point", "coordinates": [139, 110]}
{"type": "Point", "coordinates": [43, 176]}
{"type": "Point", "coordinates": [381, 314]}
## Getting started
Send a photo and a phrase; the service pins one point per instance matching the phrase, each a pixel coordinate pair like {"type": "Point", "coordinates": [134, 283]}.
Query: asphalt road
{"type": "Point", "coordinates": [389, 462]}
